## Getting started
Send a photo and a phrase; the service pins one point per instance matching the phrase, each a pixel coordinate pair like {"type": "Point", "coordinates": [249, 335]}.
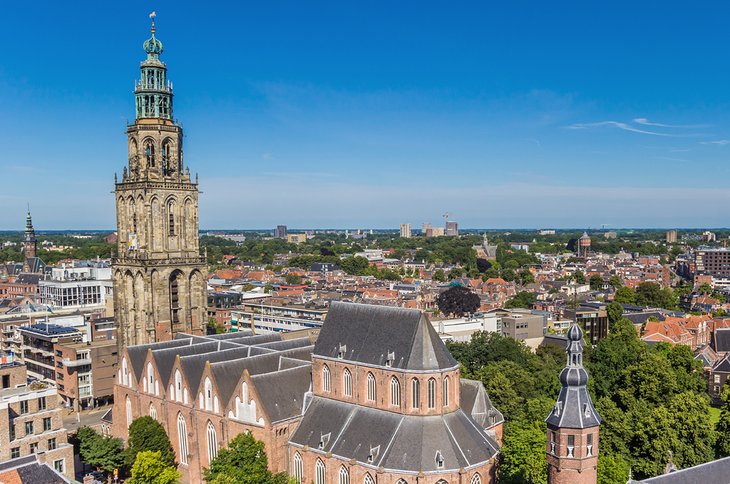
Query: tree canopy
{"type": "Point", "coordinates": [103, 453]}
{"type": "Point", "coordinates": [458, 300]}
{"type": "Point", "coordinates": [150, 468]}
{"type": "Point", "coordinates": [244, 461]}
{"type": "Point", "coordinates": [147, 434]}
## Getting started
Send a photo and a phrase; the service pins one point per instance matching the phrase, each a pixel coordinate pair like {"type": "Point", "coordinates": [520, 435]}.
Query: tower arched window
{"type": "Point", "coordinates": [372, 394]}
{"type": "Point", "coordinates": [326, 379]}
{"type": "Point", "coordinates": [171, 218]}
{"type": "Point", "coordinates": [394, 392]}
{"type": "Point", "coordinates": [446, 392]}
{"type": "Point", "coordinates": [320, 472]}
{"type": "Point", "coordinates": [182, 436]}
{"type": "Point", "coordinates": [167, 164]}
{"type": "Point", "coordinates": [149, 153]}
{"type": "Point", "coordinates": [344, 477]}
{"type": "Point", "coordinates": [432, 393]}
{"type": "Point", "coordinates": [212, 442]}
{"type": "Point", "coordinates": [298, 468]}
{"type": "Point", "coordinates": [347, 383]}
{"type": "Point", "coordinates": [415, 393]}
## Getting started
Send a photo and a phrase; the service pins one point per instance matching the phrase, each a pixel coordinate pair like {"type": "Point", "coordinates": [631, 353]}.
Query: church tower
{"type": "Point", "coordinates": [572, 426]}
{"type": "Point", "coordinates": [30, 244]}
{"type": "Point", "coordinates": [159, 274]}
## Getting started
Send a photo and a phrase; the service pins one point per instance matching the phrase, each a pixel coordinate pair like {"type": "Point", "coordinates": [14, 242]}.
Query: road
{"type": "Point", "coordinates": [90, 418]}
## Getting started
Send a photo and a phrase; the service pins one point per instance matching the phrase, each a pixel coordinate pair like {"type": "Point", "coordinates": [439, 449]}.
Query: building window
{"type": "Point", "coordinates": [182, 437]}
{"type": "Point", "coordinates": [208, 394]}
{"type": "Point", "coordinates": [23, 407]}
{"type": "Point", "coordinates": [150, 378]}
{"type": "Point", "coordinates": [344, 476]}
{"type": "Point", "coordinates": [42, 403]}
{"type": "Point", "coordinates": [320, 473]}
{"type": "Point", "coordinates": [717, 378]}
{"type": "Point", "coordinates": [178, 386]}
{"type": "Point", "coordinates": [212, 442]}
{"type": "Point", "coordinates": [149, 151]}
{"type": "Point", "coordinates": [153, 411]}
{"type": "Point", "coordinates": [129, 412]}
{"type": "Point", "coordinates": [432, 393]}
{"type": "Point", "coordinates": [439, 460]}
{"type": "Point", "coordinates": [51, 444]}
{"type": "Point", "coordinates": [29, 428]}
{"type": "Point", "coordinates": [15, 452]}
{"type": "Point", "coordinates": [47, 424]}
{"type": "Point", "coordinates": [347, 382]}
{"type": "Point", "coordinates": [59, 465]}
{"type": "Point", "coordinates": [298, 468]}
{"type": "Point", "coordinates": [446, 392]}
{"type": "Point", "coordinates": [371, 388]}
{"type": "Point", "coordinates": [171, 218]}
{"type": "Point", "coordinates": [368, 480]}
{"type": "Point", "coordinates": [34, 447]}
{"type": "Point", "coordinates": [552, 442]}
{"type": "Point", "coordinates": [589, 446]}
{"type": "Point", "coordinates": [394, 392]}
{"type": "Point", "coordinates": [11, 430]}
{"type": "Point", "coordinates": [571, 445]}
{"type": "Point", "coordinates": [476, 479]}
{"type": "Point", "coordinates": [415, 393]}
{"type": "Point", "coordinates": [325, 378]}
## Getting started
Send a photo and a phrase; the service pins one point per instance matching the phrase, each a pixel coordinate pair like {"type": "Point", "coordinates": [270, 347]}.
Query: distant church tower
{"type": "Point", "coordinates": [572, 426]}
{"type": "Point", "coordinates": [30, 244]}
{"type": "Point", "coordinates": [159, 274]}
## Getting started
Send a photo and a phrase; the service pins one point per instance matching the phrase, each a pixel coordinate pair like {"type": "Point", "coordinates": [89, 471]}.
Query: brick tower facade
{"type": "Point", "coordinates": [159, 274]}
{"type": "Point", "coordinates": [572, 426]}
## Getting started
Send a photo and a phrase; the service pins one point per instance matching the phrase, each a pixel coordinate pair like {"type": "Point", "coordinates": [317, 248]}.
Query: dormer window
{"type": "Point", "coordinates": [390, 359]}
{"type": "Point", "coordinates": [439, 460]}
{"type": "Point", "coordinates": [586, 410]}
{"type": "Point", "coordinates": [324, 439]}
{"type": "Point", "coordinates": [341, 351]}
{"type": "Point", "coordinates": [558, 408]}
{"type": "Point", "coordinates": [373, 454]}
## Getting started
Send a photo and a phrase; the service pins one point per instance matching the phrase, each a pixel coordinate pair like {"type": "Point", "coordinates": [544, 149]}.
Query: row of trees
{"type": "Point", "coordinates": [652, 400]}
{"type": "Point", "coordinates": [150, 458]}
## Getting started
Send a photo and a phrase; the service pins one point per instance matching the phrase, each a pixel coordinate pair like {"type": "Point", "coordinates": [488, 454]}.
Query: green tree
{"type": "Point", "coordinates": [615, 281]}
{"type": "Point", "coordinates": [150, 468]}
{"type": "Point", "coordinates": [596, 282]}
{"type": "Point", "coordinates": [244, 461]}
{"type": "Point", "coordinates": [704, 288]}
{"type": "Point", "coordinates": [147, 434]}
{"type": "Point", "coordinates": [526, 277]}
{"type": "Point", "coordinates": [293, 279]}
{"type": "Point", "coordinates": [522, 299]}
{"type": "Point", "coordinates": [615, 312]}
{"type": "Point", "coordinates": [625, 295]}
{"type": "Point", "coordinates": [612, 469]}
{"type": "Point", "coordinates": [579, 277]}
{"type": "Point", "coordinates": [439, 275]}
{"type": "Point", "coordinates": [103, 453]}
{"type": "Point", "coordinates": [722, 446]}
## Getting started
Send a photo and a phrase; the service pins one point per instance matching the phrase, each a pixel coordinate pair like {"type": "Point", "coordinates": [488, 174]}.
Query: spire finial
{"type": "Point", "coordinates": [152, 16]}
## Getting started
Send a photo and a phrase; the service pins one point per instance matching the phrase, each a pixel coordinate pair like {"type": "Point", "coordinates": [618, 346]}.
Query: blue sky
{"type": "Point", "coordinates": [369, 114]}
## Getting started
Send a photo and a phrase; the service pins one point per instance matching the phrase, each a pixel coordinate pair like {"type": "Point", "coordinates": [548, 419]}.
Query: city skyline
{"type": "Point", "coordinates": [517, 116]}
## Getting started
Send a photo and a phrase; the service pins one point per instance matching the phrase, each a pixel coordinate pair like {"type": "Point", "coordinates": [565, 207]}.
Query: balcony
{"type": "Point", "coordinates": [76, 363]}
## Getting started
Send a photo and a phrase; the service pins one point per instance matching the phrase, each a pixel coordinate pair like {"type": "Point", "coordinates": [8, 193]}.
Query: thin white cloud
{"type": "Point", "coordinates": [646, 122]}
{"type": "Point", "coordinates": [720, 142]}
{"type": "Point", "coordinates": [619, 125]}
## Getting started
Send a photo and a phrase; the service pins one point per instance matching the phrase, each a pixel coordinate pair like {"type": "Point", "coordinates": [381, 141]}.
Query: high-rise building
{"type": "Point", "coordinates": [452, 228]}
{"type": "Point", "coordinates": [159, 274]}
{"type": "Point", "coordinates": [671, 236]}
{"type": "Point", "coordinates": [280, 232]}
{"type": "Point", "coordinates": [572, 426]}
{"type": "Point", "coordinates": [405, 231]}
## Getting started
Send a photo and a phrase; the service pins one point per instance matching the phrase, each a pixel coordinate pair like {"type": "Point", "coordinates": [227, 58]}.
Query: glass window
{"type": "Point", "coordinates": [34, 447]}
{"type": "Point", "coordinates": [325, 378]}
{"type": "Point", "coordinates": [432, 393]}
{"type": "Point", "coordinates": [415, 393]}
{"type": "Point", "coordinates": [394, 392]}
{"type": "Point", "coordinates": [42, 403]}
{"type": "Point", "coordinates": [24, 407]}
{"type": "Point", "coordinates": [15, 452]}
{"type": "Point", "coordinates": [28, 428]}
{"type": "Point", "coordinates": [571, 445]}
{"type": "Point", "coordinates": [59, 465]}
{"type": "Point", "coordinates": [51, 444]}
{"type": "Point", "coordinates": [47, 424]}
{"type": "Point", "coordinates": [372, 394]}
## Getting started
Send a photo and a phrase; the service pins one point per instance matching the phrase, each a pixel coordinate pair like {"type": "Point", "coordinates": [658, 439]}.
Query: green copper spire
{"type": "Point", "coordinates": [153, 91]}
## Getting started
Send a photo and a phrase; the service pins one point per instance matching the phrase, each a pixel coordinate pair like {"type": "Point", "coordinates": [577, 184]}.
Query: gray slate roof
{"type": "Point", "coordinates": [474, 401]}
{"type": "Point", "coordinates": [367, 333]}
{"type": "Point", "coordinates": [404, 443]}
{"type": "Point", "coordinates": [721, 340]}
{"type": "Point", "coordinates": [282, 392]}
{"type": "Point", "coordinates": [714, 472]}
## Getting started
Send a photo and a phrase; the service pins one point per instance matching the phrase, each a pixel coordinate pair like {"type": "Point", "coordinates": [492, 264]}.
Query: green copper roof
{"type": "Point", "coordinates": [152, 46]}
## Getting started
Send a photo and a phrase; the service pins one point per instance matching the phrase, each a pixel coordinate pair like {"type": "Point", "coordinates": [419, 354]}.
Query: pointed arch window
{"type": "Point", "coordinates": [212, 442]}
{"type": "Point", "coordinates": [149, 153]}
{"type": "Point", "coordinates": [368, 479]}
{"type": "Point", "coordinates": [372, 394]}
{"type": "Point", "coordinates": [178, 386]}
{"type": "Point", "coordinates": [125, 372]}
{"type": "Point", "coordinates": [394, 392]}
{"type": "Point", "coordinates": [432, 393]}
{"type": "Point", "coordinates": [208, 394]}
{"type": "Point", "coordinates": [150, 378]}
{"type": "Point", "coordinates": [171, 218]}
{"type": "Point", "coordinates": [446, 392]}
{"type": "Point", "coordinates": [347, 383]}
{"type": "Point", "coordinates": [320, 473]}
{"type": "Point", "coordinates": [326, 378]}
{"type": "Point", "coordinates": [298, 468]}
{"type": "Point", "coordinates": [415, 393]}
{"type": "Point", "coordinates": [182, 436]}
{"type": "Point", "coordinates": [153, 411]}
{"type": "Point", "coordinates": [476, 479]}
{"type": "Point", "coordinates": [128, 405]}
{"type": "Point", "coordinates": [344, 477]}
